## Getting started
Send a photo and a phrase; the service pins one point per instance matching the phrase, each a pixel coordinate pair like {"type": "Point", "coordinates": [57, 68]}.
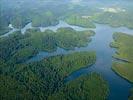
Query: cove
{"type": "Point", "coordinates": [119, 87]}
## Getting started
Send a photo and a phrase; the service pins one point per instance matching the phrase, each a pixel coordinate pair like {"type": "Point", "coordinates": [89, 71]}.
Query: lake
{"type": "Point", "coordinates": [119, 87]}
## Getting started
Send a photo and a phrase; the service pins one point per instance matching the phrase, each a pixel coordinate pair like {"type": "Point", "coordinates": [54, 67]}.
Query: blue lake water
{"type": "Point", "coordinates": [119, 87]}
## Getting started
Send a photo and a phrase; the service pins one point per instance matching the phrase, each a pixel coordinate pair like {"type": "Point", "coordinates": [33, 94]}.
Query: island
{"type": "Point", "coordinates": [22, 47]}
{"type": "Point", "coordinates": [123, 65]}
{"type": "Point", "coordinates": [124, 45]}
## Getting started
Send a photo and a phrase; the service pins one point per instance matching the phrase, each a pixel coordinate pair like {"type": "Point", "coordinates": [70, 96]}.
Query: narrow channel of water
{"type": "Point", "coordinates": [119, 88]}
{"type": "Point", "coordinates": [61, 24]}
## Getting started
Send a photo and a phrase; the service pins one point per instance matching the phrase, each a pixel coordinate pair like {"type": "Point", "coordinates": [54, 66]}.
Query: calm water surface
{"type": "Point", "coordinates": [119, 88]}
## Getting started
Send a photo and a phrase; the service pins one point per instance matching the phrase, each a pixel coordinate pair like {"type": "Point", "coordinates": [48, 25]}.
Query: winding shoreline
{"type": "Point", "coordinates": [100, 44]}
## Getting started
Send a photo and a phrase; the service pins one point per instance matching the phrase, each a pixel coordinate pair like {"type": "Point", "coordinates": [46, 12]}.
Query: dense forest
{"type": "Point", "coordinates": [49, 14]}
{"type": "Point", "coordinates": [41, 79]}
{"type": "Point", "coordinates": [88, 87]}
{"type": "Point", "coordinates": [20, 47]}
{"type": "Point", "coordinates": [81, 50]}
{"type": "Point", "coordinates": [66, 38]}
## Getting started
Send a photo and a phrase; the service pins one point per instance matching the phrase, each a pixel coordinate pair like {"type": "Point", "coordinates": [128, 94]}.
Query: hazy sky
{"type": "Point", "coordinates": [76, 1]}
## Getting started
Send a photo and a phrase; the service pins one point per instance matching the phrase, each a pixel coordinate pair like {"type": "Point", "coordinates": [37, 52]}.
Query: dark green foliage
{"type": "Point", "coordinates": [20, 48]}
{"type": "Point", "coordinates": [69, 38]}
{"type": "Point", "coordinates": [10, 89]}
{"type": "Point", "coordinates": [23, 54]}
{"type": "Point", "coordinates": [66, 38]}
{"type": "Point", "coordinates": [15, 47]}
{"type": "Point", "coordinates": [43, 41]}
{"type": "Point", "coordinates": [71, 62]}
{"type": "Point", "coordinates": [8, 45]}
{"type": "Point", "coordinates": [89, 87]}
{"type": "Point", "coordinates": [44, 78]}
{"type": "Point", "coordinates": [39, 80]}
